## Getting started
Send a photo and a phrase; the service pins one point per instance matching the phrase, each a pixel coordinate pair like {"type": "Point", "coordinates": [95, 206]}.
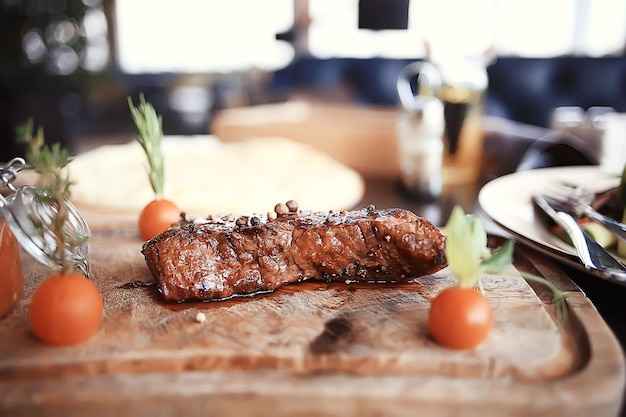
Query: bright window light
{"type": "Point", "coordinates": [605, 30]}
{"type": "Point", "coordinates": [453, 27]}
{"type": "Point", "coordinates": [535, 27]}
{"type": "Point", "coordinates": [217, 36]}
{"type": "Point", "coordinates": [334, 32]}
{"type": "Point", "coordinates": [201, 36]}
{"type": "Point", "coordinates": [532, 28]}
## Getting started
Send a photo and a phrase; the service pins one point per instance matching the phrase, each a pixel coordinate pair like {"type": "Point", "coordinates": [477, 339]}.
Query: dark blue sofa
{"type": "Point", "coordinates": [520, 89]}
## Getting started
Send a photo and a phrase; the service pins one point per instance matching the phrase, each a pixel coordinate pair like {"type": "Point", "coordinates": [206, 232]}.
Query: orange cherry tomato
{"type": "Point", "coordinates": [156, 217]}
{"type": "Point", "coordinates": [66, 309]}
{"type": "Point", "coordinates": [460, 318]}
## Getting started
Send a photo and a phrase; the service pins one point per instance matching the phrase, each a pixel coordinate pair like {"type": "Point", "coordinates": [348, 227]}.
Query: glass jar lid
{"type": "Point", "coordinates": [30, 216]}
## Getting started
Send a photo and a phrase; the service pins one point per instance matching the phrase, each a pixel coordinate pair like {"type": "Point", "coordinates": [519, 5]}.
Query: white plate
{"type": "Point", "coordinates": [508, 201]}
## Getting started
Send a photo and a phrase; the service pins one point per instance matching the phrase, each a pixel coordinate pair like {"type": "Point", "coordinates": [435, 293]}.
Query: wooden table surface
{"type": "Point", "coordinates": [608, 298]}
{"type": "Point", "coordinates": [318, 350]}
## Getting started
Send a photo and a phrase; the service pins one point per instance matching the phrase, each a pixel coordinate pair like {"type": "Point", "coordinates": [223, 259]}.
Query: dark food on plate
{"type": "Point", "coordinates": [221, 257]}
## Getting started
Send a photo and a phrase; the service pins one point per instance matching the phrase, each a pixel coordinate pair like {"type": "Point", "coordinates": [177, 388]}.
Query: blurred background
{"type": "Point", "coordinates": [71, 64]}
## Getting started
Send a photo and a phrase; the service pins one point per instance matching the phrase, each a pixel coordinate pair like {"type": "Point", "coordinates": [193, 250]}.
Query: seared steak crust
{"type": "Point", "coordinates": [225, 256]}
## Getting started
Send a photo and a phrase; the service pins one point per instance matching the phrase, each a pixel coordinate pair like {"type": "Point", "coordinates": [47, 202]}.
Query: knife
{"type": "Point", "coordinates": [596, 260]}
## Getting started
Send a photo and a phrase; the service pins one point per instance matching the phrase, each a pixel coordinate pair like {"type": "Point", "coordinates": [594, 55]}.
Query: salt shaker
{"type": "Point", "coordinates": [419, 129]}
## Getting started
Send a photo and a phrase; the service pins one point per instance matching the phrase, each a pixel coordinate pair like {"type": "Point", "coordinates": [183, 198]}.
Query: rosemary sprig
{"type": "Point", "coordinates": [558, 298]}
{"type": "Point", "coordinates": [150, 128]}
{"type": "Point", "coordinates": [52, 186]}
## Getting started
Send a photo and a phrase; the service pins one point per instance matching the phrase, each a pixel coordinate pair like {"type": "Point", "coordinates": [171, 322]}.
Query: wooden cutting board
{"type": "Point", "coordinates": [310, 349]}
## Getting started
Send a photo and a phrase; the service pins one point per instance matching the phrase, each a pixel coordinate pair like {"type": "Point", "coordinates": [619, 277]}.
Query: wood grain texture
{"type": "Point", "coordinates": [310, 349]}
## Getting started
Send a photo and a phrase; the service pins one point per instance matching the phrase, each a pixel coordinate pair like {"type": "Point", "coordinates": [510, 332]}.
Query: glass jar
{"type": "Point", "coordinates": [26, 218]}
{"type": "Point", "coordinates": [11, 275]}
{"type": "Point", "coordinates": [464, 82]}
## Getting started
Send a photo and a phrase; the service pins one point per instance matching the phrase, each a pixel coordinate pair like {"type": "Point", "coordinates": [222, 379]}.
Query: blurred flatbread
{"type": "Point", "coordinates": [204, 176]}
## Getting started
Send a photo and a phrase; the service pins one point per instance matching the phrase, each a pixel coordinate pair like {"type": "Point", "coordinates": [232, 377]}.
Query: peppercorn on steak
{"type": "Point", "coordinates": [225, 256]}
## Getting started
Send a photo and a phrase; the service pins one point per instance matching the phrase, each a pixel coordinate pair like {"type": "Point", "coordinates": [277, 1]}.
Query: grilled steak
{"type": "Point", "coordinates": [225, 256]}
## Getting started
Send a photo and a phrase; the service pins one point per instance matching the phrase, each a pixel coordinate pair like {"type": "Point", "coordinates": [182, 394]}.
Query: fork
{"type": "Point", "coordinates": [576, 200]}
{"type": "Point", "coordinates": [596, 260]}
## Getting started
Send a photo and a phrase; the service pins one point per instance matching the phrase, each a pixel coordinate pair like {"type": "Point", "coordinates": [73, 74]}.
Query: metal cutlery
{"type": "Point", "coordinates": [576, 200]}
{"type": "Point", "coordinates": [596, 260]}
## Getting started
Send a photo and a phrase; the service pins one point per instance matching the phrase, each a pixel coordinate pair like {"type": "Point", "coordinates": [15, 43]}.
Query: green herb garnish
{"type": "Point", "coordinates": [467, 252]}
{"type": "Point", "coordinates": [48, 161]}
{"type": "Point", "coordinates": [150, 128]}
{"type": "Point", "coordinates": [52, 187]}
{"type": "Point", "coordinates": [469, 257]}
